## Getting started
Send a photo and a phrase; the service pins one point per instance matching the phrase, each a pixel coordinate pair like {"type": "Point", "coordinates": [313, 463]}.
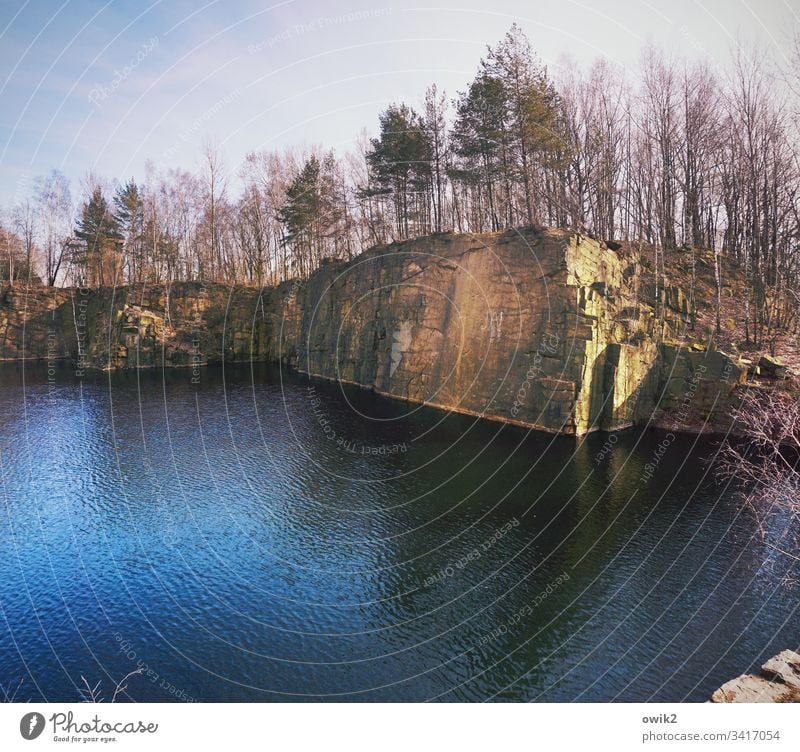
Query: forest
{"type": "Point", "coordinates": [676, 156]}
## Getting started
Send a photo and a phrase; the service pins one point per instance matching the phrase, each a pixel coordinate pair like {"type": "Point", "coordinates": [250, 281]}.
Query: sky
{"type": "Point", "coordinates": [105, 86]}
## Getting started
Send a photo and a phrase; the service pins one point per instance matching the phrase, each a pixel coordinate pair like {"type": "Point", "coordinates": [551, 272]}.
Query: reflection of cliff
{"type": "Point", "coordinates": [547, 329]}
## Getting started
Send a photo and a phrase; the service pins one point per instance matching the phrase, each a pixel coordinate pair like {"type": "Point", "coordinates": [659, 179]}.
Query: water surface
{"type": "Point", "coordinates": [255, 536]}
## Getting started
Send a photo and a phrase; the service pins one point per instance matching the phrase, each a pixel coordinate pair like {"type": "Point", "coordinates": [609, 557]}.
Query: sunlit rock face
{"type": "Point", "coordinates": [547, 329]}
{"type": "Point", "coordinates": [778, 681]}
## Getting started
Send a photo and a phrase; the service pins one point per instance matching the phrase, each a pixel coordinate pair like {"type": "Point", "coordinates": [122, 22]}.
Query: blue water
{"type": "Point", "coordinates": [256, 537]}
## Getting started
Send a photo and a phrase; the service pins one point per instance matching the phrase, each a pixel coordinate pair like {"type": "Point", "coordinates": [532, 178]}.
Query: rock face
{"type": "Point", "coordinates": [547, 329]}
{"type": "Point", "coordinates": [779, 682]}
{"type": "Point", "coordinates": [536, 328]}
{"type": "Point", "coordinates": [38, 322]}
{"type": "Point", "coordinates": [543, 328]}
{"type": "Point", "coordinates": [134, 327]}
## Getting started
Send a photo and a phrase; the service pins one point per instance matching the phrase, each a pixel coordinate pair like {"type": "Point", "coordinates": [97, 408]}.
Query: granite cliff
{"type": "Point", "coordinates": [546, 329]}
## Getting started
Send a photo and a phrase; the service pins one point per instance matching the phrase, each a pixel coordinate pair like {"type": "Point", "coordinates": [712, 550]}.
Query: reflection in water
{"type": "Point", "coordinates": [260, 537]}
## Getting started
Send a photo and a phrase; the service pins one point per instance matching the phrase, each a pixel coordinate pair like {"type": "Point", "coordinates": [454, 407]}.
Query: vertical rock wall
{"type": "Point", "coordinates": [540, 328]}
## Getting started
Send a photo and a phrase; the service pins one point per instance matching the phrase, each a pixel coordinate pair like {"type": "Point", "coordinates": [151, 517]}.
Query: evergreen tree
{"type": "Point", "coordinates": [400, 164]}
{"type": "Point", "coordinates": [129, 214]}
{"type": "Point", "coordinates": [479, 140]}
{"type": "Point", "coordinates": [532, 104]}
{"type": "Point", "coordinates": [101, 238]}
{"type": "Point", "coordinates": [300, 214]}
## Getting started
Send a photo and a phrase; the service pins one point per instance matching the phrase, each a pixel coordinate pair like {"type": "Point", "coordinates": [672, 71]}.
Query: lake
{"type": "Point", "coordinates": [255, 536]}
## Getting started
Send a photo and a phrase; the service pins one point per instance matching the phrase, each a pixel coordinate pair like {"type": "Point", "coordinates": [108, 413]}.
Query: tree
{"type": "Point", "coordinates": [400, 168]}
{"type": "Point", "coordinates": [216, 186]}
{"type": "Point", "coordinates": [12, 256]}
{"type": "Point", "coordinates": [534, 121]}
{"type": "Point", "coordinates": [300, 214]}
{"type": "Point", "coordinates": [129, 214]}
{"type": "Point", "coordinates": [479, 142]}
{"type": "Point", "coordinates": [54, 206]}
{"type": "Point", "coordinates": [766, 465]}
{"type": "Point", "coordinates": [99, 231]}
{"type": "Point", "coordinates": [24, 217]}
{"type": "Point", "coordinates": [595, 115]}
{"type": "Point", "coordinates": [660, 124]}
{"type": "Point", "coordinates": [435, 124]}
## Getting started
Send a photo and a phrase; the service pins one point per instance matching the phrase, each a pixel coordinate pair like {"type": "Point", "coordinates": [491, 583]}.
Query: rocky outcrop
{"type": "Point", "coordinates": [697, 388]}
{"type": "Point", "coordinates": [543, 328]}
{"type": "Point", "coordinates": [779, 681]}
{"type": "Point", "coordinates": [187, 324]}
{"type": "Point", "coordinates": [36, 322]}
{"type": "Point", "coordinates": [536, 328]}
{"type": "Point", "coordinates": [547, 329]}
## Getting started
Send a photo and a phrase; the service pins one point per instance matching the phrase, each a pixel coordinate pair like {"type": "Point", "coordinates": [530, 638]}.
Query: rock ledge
{"type": "Point", "coordinates": [779, 681]}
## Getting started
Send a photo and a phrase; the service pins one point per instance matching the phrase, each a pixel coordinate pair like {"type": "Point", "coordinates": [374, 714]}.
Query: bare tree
{"type": "Point", "coordinates": [435, 121]}
{"type": "Point", "coordinates": [94, 694]}
{"type": "Point", "coordinates": [55, 210]}
{"type": "Point", "coordinates": [766, 462]}
{"type": "Point", "coordinates": [215, 183]}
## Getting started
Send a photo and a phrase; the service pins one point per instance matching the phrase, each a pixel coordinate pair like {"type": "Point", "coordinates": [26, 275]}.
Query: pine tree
{"type": "Point", "coordinates": [479, 140]}
{"type": "Point", "coordinates": [101, 238]}
{"type": "Point", "coordinates": [129, 214]}
{"type": "Point", "coordinates": [532, 104]}
{"type": "Point", "coordinates": [300, 214]}
{"type": "Point", "coordinates": [400, 164]}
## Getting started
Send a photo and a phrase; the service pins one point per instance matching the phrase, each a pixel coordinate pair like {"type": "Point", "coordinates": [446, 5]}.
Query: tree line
{"type": "Point", "coordinates": [681, 157]}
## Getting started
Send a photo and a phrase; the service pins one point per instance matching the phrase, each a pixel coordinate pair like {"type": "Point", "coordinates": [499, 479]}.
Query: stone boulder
{"type": "Point", "coordinates": [779, 682]}
{"type": "Point", "coordinates": [770, 367]}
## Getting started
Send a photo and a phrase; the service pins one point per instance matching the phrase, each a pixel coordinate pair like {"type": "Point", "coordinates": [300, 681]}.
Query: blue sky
{"type": "Point", "coordinates": [106, 86]}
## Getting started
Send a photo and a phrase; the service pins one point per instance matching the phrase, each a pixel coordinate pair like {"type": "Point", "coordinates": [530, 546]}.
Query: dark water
{"type": "Point", "coordinates": [247, 538]}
